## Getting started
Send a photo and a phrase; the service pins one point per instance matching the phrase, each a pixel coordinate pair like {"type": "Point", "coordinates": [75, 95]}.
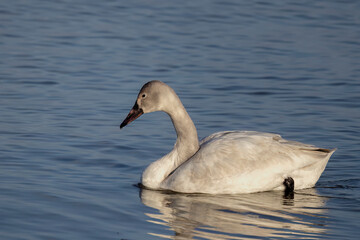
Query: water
{"type": "Point", "coordinates": [70, 72]}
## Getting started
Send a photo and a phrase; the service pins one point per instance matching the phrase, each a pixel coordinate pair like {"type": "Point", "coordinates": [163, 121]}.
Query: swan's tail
{"type": "Point", "coordinates": [307, 176]}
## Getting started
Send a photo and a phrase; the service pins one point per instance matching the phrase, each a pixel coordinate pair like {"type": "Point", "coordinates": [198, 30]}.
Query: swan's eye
{"type": "Point", "coordinates": [143, 96]}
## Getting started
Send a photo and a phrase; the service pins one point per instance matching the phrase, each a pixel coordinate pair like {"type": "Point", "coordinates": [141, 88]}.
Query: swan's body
{"type": "Point", "coordinates": [224, 162]}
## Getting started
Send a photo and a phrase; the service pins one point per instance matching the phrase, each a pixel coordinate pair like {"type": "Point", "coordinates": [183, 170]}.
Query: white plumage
{"type": "Point", "coordinates": [225, 162]}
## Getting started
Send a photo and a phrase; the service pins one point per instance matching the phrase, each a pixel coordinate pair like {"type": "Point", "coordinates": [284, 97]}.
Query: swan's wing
{"type": "Point", "coordinates": [243, 162]}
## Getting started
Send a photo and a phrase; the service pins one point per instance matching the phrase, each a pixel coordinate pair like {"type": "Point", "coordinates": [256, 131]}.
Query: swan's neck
{"type": "Point", "coordinates": [187, 144]}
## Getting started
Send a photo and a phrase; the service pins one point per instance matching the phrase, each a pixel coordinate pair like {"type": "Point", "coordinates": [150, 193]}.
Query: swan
{"type": "Point", "coordinates": [228, 162]}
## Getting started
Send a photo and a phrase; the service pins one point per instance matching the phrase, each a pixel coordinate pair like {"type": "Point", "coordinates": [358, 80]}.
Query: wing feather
{"type": "Point", "coordinates": [228, 159]}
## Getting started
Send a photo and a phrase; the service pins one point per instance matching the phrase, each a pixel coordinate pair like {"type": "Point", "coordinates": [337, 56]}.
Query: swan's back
{"type": "Point", "coordinates": [245, 161]}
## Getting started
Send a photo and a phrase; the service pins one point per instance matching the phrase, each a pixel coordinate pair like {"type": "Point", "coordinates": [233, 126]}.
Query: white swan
{"type": "Point", "coordinates": [224, 162]}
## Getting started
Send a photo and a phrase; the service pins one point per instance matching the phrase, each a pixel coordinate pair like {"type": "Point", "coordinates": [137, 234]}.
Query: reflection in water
{"type": "Point", "coordinates": [267, 214]}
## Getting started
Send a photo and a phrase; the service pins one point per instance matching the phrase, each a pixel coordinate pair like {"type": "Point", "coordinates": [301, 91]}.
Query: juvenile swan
{"type": "Point", "coordinates": [224, 162]}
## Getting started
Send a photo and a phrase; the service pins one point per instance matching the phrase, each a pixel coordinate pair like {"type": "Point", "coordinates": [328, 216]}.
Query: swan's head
{"type": "Point", "coordinates": [153, 96]}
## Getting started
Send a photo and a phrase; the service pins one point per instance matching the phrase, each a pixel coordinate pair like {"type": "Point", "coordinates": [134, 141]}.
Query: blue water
{"type": "Point", "coordinates": [70, 72]}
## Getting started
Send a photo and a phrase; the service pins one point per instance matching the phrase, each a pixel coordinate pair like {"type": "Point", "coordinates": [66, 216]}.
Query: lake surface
{"type": "Point", "coordinates": [70, 72]}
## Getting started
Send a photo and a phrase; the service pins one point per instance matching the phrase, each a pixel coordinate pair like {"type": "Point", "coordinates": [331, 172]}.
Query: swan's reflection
{"type": "Point", "coordinates": [267, 214]}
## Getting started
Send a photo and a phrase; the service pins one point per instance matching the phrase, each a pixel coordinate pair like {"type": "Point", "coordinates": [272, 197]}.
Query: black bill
{"type": "Point", "coordinates": [134, 113]}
